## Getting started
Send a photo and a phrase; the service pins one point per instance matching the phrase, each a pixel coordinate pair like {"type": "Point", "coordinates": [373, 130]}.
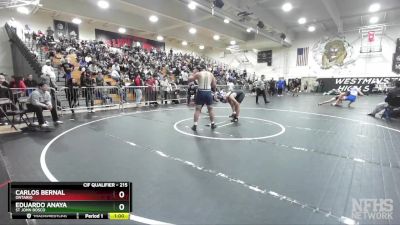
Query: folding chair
{"type": "Point", "coordinates": [12, 111]}
{"type": "Point", "coordinates": [23, 101]}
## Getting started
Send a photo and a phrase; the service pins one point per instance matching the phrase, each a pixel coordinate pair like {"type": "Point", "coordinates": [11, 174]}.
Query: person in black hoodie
{"type": "Point", "coordinates": [87, 85]}
{"type": "Point", "coordinates": [392, 99]}
{"type": "Point", "coordinates": [72, 93]}
{"type": "Point", "coordinates": [30, 84]}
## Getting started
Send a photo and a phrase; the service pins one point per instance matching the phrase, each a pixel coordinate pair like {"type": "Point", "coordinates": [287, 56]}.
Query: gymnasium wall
{"type": "Point", "coordinates": [284, 59]}
{"type": "Point", "coordinates": [6, 65]}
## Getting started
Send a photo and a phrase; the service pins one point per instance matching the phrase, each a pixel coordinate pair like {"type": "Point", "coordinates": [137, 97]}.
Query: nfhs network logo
{"type": "Point", "coordinates": [372, 209]}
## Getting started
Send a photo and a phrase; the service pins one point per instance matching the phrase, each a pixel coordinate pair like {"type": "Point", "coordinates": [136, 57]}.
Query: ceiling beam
{"type": "Point", "coordinates": [335, 14]}
{"type": "Point", "coordinates": [260, 13]}
{"type": "Point", "coordinates": [178, 11]}
{"type": "Point", "coordinates": [178, 25]}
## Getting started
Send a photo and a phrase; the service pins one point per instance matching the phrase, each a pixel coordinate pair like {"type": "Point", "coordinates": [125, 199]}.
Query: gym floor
{"type": "Point", "coordinates": [287, 162]}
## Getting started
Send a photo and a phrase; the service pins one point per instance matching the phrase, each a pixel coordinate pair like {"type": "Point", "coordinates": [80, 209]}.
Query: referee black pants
{"type": "Point", "coordinates": [261, 92]}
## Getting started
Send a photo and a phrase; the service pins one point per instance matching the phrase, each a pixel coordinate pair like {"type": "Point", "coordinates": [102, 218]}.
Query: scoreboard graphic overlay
{"type": "Point", "coordinates": [70, 200]}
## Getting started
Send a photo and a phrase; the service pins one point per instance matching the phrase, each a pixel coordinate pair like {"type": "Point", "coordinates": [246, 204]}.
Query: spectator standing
{"type": "Point", "coordinates": [272, 87]}
{"type": "Point", "coordinates": [67, 68]}
{"type": "Point", "coordinates": [138, 83]}
{"type": "Point", "coordinates": [87, 85]}
{"type": "Point", "coordinates": [150, 90]}
{"type": "Point", "coordinates": [230, 85]}
{"type": "Point", "coordinates": [280, 85]}
{"type": "Point", "coordinates": [185, 77]}
{"type": "Point", "coordinates": [165, 89]}
{"type": "Point", "coordinates": [72, 93]}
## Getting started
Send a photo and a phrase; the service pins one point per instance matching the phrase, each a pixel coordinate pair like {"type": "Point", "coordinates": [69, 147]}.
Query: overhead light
{"type": "Point", "coordinates": [216, 37]}
{"type": "Point", "coordinates": [122, 30]}
{"type": "Point", "coordinates": [103, 4]}
{"type": "Point", "coordinates": [23, 10]}
{"type": "Point", "coordinates": [153, 19]}
{"type": "Point", "coordinates": [374, 7]}
{"type": "Point", "coordinates": [192, 30]}
{"type": "Point", "coordinates": [287, 7]}
{"type": "Point", "coordinates": [76, 20]}
{"type": "Point", "coordinates": [255, 50]}
{"type": "Point", "coordinates": [302, 20]}
{"type": "Point", "coordinates": [201, 47]}
{"type": "Point", "coordinates": [374, 19]}
{"type": "Point", "coordinates": [249, 29]}
{"type": "Point", "coordinates": [184, 43]}
{"type": "Point", "coordinates": [192, 5]}
{"type": "Point", "coordinates": [160, 38]}
{"type": "Point", "coordinates": [233, 42]}
{"type": "Point", "coordinates": [226, 20]}
{"type": "Point", "coordinates": [311, 28]}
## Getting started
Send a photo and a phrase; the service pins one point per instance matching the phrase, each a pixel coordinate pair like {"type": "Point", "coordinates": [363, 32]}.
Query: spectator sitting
{"type": "Point", "coordinates": [391, 100]}
{"type": "Point", "coordinates": [17, 82]}
{"type": "Point", "coordinates": [3, 81]}
{"type": "Point", "coordinates": [4, 90]}
{"type": "Point", "coordinates": [30, 82]}
{"type": "Point", "coordinates": [17, 87]}
{"type": "Point", "coordinates": [115, 75]}
{"type": "Point", "coordinates": [40, 100]}
{"type": "Point", "coordinates": [48, 71]}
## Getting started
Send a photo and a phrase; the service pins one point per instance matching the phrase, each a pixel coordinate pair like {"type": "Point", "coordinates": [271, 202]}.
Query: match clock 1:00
{"type": "Point", "coordinates": [119, 216]}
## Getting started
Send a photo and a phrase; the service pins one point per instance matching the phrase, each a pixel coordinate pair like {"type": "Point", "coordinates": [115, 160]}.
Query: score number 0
{"type": "Point", "coordinates": [121, 195]}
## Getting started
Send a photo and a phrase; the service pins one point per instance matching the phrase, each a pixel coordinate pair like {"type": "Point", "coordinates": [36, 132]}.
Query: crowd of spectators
{"type": "Point", "coordinates": [92, 63]}
{"type": "Point", "coordinates": [127, 62]}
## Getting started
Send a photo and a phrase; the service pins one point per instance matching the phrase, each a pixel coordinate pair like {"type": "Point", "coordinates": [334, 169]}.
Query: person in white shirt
{"type": "Point", "coordinates": [185, 77]}
{"type": "Point", "coordinates": [230, 85]}
{"type": "Point", "coordinates": [116, 67]}
{"type": "Point", "coordinates": [115, 75]}
{"type": "Point", "coordinates": [48, 70]}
